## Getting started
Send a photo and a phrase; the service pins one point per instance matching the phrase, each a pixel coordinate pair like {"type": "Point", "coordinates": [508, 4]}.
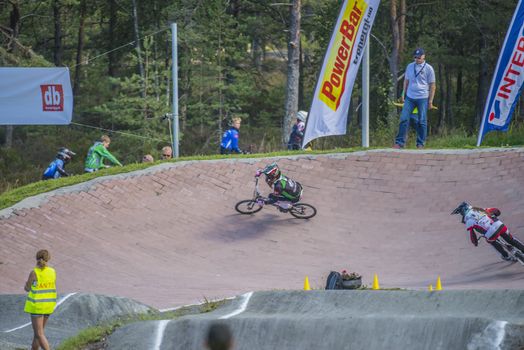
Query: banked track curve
{"type": "Point", "coordinates": [169, 235]}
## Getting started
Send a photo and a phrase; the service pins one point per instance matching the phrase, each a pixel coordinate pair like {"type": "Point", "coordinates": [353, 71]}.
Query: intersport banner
{"type": "Point", "coordinates": [35, 96]}
{"type": "Point", "coordinates": [330, 105]}
{"type": "Point", "coordinates": [508, 79]}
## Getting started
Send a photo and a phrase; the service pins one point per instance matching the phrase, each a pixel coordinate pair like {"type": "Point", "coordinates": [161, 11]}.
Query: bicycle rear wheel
{"type": "Point", "coordinates": [520, 257]}
{"type": "Point", "coordinates": [303, 210]}
{"type": "Point", "coordinates": [247, 206]}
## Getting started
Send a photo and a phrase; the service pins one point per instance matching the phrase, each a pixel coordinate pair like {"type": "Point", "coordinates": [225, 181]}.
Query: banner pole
{"type": "Point", "coordinates": [365, 96]}
{"type": "Point", "coordinates": [175, 88]}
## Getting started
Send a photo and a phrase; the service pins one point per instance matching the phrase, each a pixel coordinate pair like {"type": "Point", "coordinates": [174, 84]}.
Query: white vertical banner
{"type": "Point", "coordinates": [35, 96]}
{"type": "Point", "coordinates": [330, 105]}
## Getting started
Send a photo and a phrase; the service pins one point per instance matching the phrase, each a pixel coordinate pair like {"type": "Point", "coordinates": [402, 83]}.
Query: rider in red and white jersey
{"type": "Point", "coordinates": [485, 222]}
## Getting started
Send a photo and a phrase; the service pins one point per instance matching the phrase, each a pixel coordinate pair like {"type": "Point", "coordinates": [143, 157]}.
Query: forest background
{"type": "Point", "coordinates": [233, 58]}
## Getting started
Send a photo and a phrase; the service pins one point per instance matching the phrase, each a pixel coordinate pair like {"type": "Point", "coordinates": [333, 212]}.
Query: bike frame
{"type": "Point", "coordinates": [256, 192]}
{"type": "Point", "coordinates": [257, 195]}
{"type": "Point", "coordinates": [507, 247]}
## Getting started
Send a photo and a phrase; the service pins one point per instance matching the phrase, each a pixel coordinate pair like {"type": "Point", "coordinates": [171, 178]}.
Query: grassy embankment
{"type": "Point", "coordinates": [457, 140]}
{"type": "Point", "coordinates": [95, 337]}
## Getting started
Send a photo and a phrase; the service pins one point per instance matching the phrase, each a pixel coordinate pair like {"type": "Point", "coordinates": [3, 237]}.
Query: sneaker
{"type": "Point", "coordinates": [284, 206]}
{"type": "Point", "coordinates": [397, 146]}
{"type": "Point", "coordinates": [420, 146]}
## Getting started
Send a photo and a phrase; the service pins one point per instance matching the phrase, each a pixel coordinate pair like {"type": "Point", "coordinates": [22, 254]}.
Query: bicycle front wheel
{"type": "Point", "coordinates": [303, 211]}
{"type": "Point", "coordinates": [247, 206]}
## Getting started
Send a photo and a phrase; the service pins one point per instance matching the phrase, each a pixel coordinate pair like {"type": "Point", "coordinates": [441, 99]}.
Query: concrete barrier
{"type": "Point", "coordinates": [362, 319]}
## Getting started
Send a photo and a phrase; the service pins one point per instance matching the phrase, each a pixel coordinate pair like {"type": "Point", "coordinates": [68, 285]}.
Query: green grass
{"type": "Point", "coordinates": [99, 333]}
{"type": "Point", "coordinates": [88, 336]}
{"type": "Point", "coordinates": [456, 139]}
{"type": "Point", "coordinates": [15, 195]}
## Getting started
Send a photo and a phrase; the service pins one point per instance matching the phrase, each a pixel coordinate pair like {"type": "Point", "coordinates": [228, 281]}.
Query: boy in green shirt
{"type": "Point", "coordinates": [97, 153]}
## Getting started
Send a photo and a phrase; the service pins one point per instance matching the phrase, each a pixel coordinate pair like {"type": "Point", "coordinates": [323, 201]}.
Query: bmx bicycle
{"type": "Point", "coordinates": [514, 253]}
{"type": "Point", "coordinates": [251, 206]}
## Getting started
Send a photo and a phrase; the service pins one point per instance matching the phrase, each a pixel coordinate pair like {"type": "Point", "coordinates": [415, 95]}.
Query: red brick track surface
{"type": "Point", "coordinates": [170, 235]}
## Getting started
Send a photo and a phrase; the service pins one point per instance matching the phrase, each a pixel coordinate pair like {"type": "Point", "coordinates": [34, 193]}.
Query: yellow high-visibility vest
{"type": "Point", "coordinates": [41, 299]}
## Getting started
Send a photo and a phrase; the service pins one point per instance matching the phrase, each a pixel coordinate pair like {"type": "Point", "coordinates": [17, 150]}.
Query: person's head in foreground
{"type": "Point", "coordinates": [219, 337]}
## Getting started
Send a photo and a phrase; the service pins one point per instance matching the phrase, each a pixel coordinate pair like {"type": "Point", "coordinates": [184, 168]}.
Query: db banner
{"type": "Point", "coordinates": [508, 79]}
{"type": "Point", "coordinates": [330, 105]}
{"type": "Point", "coordinates": [35, 96]}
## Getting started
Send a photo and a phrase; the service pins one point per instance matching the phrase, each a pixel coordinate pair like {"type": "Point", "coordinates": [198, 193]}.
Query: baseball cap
{"type": "Point", "coordinates": [418, 52]}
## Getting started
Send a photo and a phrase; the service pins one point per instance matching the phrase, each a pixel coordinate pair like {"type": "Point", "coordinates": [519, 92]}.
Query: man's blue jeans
{"type": "Point", "coordinates": [421, 125]}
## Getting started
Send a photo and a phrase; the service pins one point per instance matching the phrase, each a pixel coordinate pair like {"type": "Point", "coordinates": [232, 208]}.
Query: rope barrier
{"type": "Point", "coordinates": [119, 132]}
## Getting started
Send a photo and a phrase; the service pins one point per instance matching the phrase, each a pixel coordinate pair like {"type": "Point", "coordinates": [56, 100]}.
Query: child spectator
{"type": "Point", "coordinates": [297, 133]}
{"type": "Point", "coordinates": [97, 153]}
{"type": "Point", "coordinates": [56, 168]}
{"type": "Point", "coordinates": [229, 142]}
{"type": "Point", "coordinates": [148, 159]}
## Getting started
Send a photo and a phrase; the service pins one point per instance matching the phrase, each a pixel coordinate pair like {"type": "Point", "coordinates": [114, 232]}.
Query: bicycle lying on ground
{"type": "Point", "coordinates": [514, 253]}
{"type": "Point", "coordinates": [251, 206]}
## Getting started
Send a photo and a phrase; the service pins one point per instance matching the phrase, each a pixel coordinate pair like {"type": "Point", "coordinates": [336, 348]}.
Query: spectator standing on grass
{"type": "Point", "coordinates": [418, 92]}
{"type": "Point", "coordinates": [97, 153]}
{"type": "Point", "coordinates": [41, 298]}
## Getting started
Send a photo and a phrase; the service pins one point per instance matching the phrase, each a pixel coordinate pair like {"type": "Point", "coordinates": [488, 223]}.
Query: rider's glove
{"type": "Point", "coordinates": [258, 173]}
{"type": "Point", "coordinates": [474, 238]}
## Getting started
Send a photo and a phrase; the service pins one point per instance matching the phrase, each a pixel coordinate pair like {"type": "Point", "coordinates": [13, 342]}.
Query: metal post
{"type": "Point", "coordinates": [175, 88]}
{"type": "Point", "coordinates": [365, 96]}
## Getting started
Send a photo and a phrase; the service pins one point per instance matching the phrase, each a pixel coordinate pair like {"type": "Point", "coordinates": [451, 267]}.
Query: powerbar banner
{"type": "Point", "coordinates": [508, 79]}
{"type": "Point", "coordinates": [35, 96]}
{"type": "Point", "coordinates": [330, 105]}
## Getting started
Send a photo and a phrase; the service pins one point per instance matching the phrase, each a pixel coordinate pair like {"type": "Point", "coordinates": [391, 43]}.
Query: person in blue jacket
{"type": "Point", "coordinates": [56, 168]}
{"type": "Point", "coordinates": [229, 142]}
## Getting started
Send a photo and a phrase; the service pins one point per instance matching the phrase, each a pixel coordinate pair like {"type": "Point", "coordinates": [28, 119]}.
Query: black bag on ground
{"type": "Point", "coordinates": [354, 283]}
{"type": "Point", "coordinates": [334, 280]}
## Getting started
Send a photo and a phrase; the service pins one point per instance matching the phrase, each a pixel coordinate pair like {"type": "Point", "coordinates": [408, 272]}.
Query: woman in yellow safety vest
{"type": "Point", "coordinates": [41, 298]}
